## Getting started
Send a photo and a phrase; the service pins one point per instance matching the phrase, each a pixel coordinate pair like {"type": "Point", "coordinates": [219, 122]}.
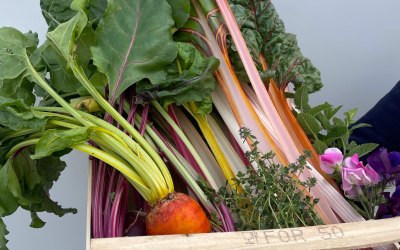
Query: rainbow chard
{"type": "Point", "coordinates": [278, 127]}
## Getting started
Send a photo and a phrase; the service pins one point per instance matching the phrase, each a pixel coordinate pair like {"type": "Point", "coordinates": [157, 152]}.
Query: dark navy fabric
{"type": "Point", "coordinates": [384, 118]}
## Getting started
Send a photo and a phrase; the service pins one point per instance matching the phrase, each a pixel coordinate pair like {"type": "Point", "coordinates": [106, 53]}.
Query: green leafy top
{"type": "Point", "coordinates": [325, 129]}
{"type": "Point", "coordinates": [134, 43]}
{"type": "Point", "coordinates": [265, 35]}
{"type": "Point", "coordinates": [189, 78]}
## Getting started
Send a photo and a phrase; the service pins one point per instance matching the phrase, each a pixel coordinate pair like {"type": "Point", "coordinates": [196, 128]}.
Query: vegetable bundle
{"type": "Point", "coordinates": [163, 96]}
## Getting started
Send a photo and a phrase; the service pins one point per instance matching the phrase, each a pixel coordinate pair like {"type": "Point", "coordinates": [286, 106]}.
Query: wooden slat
{"type": "Point", "coordinates": [337, 236]}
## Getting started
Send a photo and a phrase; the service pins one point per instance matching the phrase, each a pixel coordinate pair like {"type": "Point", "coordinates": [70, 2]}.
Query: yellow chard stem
{"type": "Point", "coordinates": [215, 148]}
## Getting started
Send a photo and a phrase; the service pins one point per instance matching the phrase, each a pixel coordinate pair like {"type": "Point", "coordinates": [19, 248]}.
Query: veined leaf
{"type": "Point", "coordinates": [55, 140]}
{"type": "Point", "coordinates": [278, 47]}
{"type": "Point", "coordinates": [363, 149]}
{"type": "Point", "coordinates": [15, 115]}
{"type": "Point", "coordinates": [62, 77]}
{"type": "Point", "coordinates": [3, 233]}
{"type": "Point", "coordinates": [10, 191]}
{"type": "Point", "coordinates": [301, 98]}
{"type": "Point", "coordinates": [63, 37]}
{"type": "Point", "coordinates": [180, 11]}
{"type": "Point", "coordinates": [18, 88]}
{"type": "Point", "coordinates": [134, 43]}
{"type": "Point", "coordinates": [318, 109]}
{"type": "Point", "coordinates": [56, 12]}
{"type": "Point", "coordinates": [14, 48]}
{"type": "Point", "coordinates": [337, 132]}
{"type": "Point", "coordinates": [190, 78]}
{"type": "Point", "coordinates": [320, 146]}
{"type": "Point", "coordinates": [309, 123]}
{"type": "Point", "coordinates": [330, 113]}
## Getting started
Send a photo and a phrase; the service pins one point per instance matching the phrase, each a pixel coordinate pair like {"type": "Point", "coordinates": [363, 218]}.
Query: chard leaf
{"type": "Point", "coordinates": [14, 48]}
{"type": "Point", "coordinates": [190, 78]}
{"type": "Point", "coordinates": [56, 12]}
{"type": "Point", "coordinates": [180, 11]}
{"type": "Point", "coordinates": [55, 140]}
{"type": "Point", "coordinates": [10, 191]}
{"type": "Point", "coordinates": [36, 221]}
{"type": "Point", "coordinates": [279, 48]}
{"type": "Point", "coordinates": [3, 233]}
{"type": "Point", "coordinates": [15, 115]}
{"type": "Point", "coordinates": [50, 206]}
{"type": "Point", "coordinates": [96, 11]}
{"type": "Point", "coordinates": [18, 88]}
{"type": "Point", "coordinates": [64, 36]}
{"type": "Point", "coordinates": [62, 77]}
{"type": "Point", "coordinates": [134, 43]}
{"type": "Point", "coordinates": [37, 178]}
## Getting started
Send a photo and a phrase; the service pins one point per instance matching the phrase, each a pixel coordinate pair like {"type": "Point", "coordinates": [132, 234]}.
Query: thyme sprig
{"type": "Point", "coordinates": [270, 196]}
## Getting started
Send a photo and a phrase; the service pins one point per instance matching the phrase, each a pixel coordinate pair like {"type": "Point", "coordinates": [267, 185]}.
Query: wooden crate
{"type": "Point", "coordinates": [338, 236]}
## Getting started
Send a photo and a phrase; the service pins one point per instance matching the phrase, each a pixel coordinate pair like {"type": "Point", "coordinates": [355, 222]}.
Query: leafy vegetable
{"type": "Point", "coordinates": [134, 44]}
{"type": "Point", "coordinates": [189, 78]}
{"type": "Point", "coordinates": [265, 34]}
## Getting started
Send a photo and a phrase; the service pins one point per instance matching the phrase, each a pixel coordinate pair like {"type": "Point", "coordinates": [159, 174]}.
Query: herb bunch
{"type": "Point", "coordinates": [325, 129]}
{"type": "Point", "coordinates": [270, 196]}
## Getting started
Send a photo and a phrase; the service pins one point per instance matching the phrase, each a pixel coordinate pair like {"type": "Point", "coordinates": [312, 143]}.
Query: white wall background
{"type": "Point", "coordinates": [355, 44]}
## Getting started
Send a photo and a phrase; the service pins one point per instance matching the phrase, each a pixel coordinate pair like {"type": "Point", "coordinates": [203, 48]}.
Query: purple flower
{"type": "Point", "coordinates": [392, 206]}
{"type": "Point", "coordinates": [386, 164]}
{"type": "Point", "coordinates": [330, 160]}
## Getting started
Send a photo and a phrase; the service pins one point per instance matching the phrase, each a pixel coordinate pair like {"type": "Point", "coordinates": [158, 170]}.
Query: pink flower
{"type": "Point", "coordinates": [351, 179]}
{"type": "Point", "coordinates": [330, 160]}
{"type": "Point", "coordinates": [367, 175]}
{"type": "Point", "coordinates": [355, 176]}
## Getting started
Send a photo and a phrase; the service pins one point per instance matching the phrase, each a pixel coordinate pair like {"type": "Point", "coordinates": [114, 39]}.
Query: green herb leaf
{"type": "Point", "coordinates": [320, 146]}
{"type": "Point", "coordinates": [301, 98]}
{"type": "Point", "coordinates": [360, 125]}
{"type": "Point", "coordinates": [330, 113]}
{"type": "Point", "coordinates": [309, 123]}
{"type": "Point", "coordinates": [134, 43]}
{"type": "Point", "coordinates": [337, 132]}
{"type": "Point", "coordinates": [362, 149]}
{"type": "Point", "coordinates": [318, 109]}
